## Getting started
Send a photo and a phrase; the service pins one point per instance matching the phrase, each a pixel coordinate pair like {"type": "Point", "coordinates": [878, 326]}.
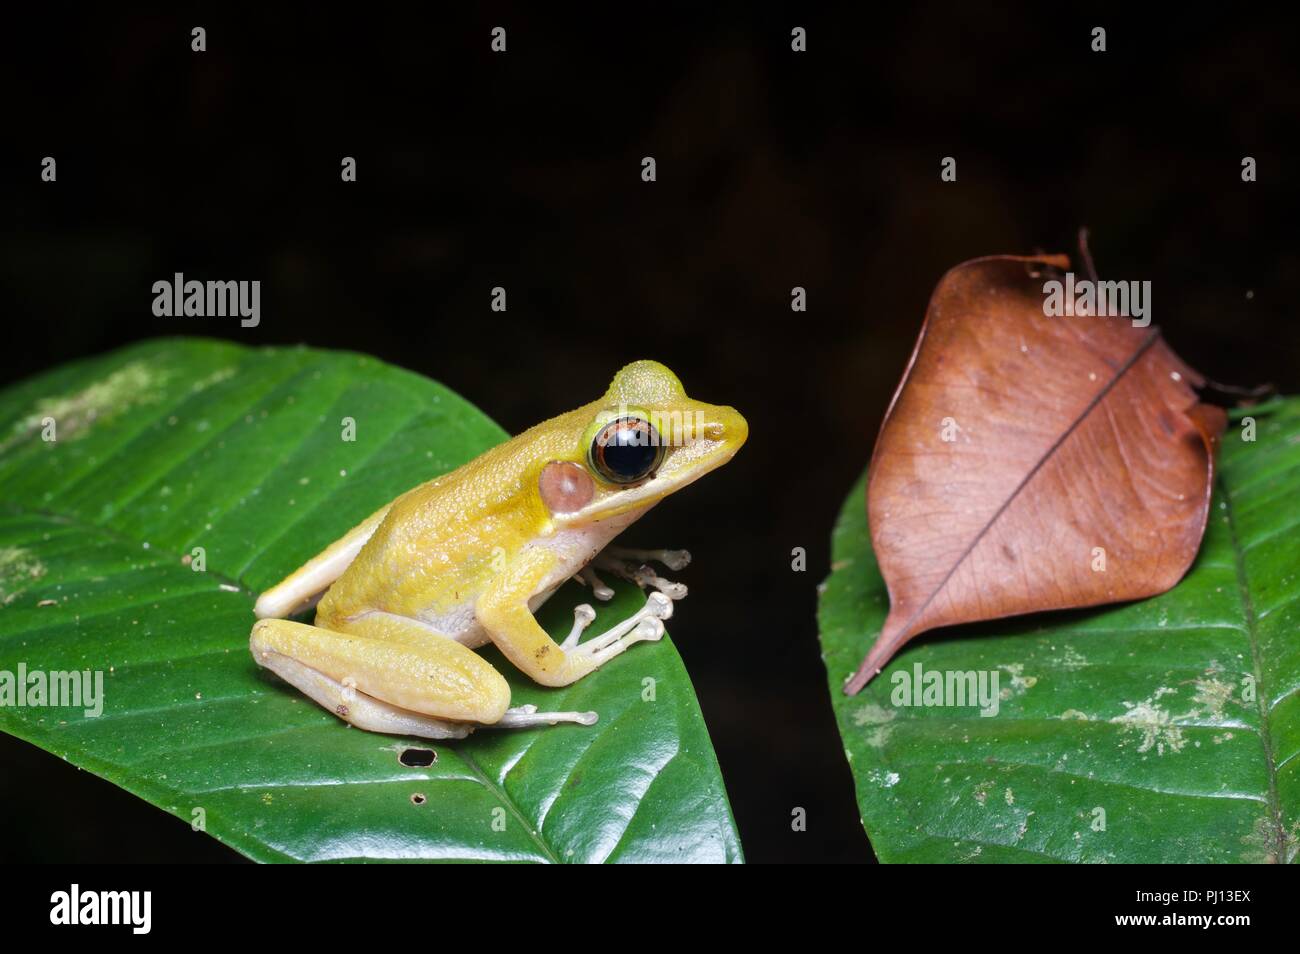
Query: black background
{"type": "Point", "coordinates": [1044, 900]}
{"type": "Point", "coordinates": [775, 169]}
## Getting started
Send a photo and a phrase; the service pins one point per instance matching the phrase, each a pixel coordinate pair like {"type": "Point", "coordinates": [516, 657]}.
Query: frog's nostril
{"type": "Point", "coordinates": [730, 427]}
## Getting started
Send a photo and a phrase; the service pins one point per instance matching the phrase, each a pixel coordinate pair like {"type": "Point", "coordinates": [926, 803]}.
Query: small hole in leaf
{"type": "Point", "coordinates": [417, 798]}
{"type": "Point", "coordinates": [418, 758]}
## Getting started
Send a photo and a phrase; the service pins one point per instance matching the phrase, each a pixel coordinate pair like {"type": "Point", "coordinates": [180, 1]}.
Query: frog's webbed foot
{"type": "Point", "coordinates": [634, 566]}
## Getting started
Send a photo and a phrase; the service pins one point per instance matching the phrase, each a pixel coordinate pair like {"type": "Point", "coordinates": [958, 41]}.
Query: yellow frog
{"type": "Point", "coordinates": [466, 558]}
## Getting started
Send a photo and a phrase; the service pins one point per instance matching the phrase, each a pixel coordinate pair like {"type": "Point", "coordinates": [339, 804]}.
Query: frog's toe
{"type": "Point", "coordinates": [583, 615]}
{"type": "Point", "coordinates": [634, 566]}
{"type": "Point", "coordinates": [673, 559]}
{"type": "Point", "coordinates": [524, 717]}
{"type": "Point", "coordinates": [646, 625]}
{"type": "Point", "coordinates": [647, 577]}
{"type": "Point", "coordinates": [646, 631]}
{"type": "Point", "coordinates": [587, 576]}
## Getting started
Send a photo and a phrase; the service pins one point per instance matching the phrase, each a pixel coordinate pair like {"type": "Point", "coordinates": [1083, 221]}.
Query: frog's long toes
{"type": "Point", "coordinates": [659, 605]}
{"type": "Point", "coordinates": [524, 717]}
{"type": "Point", "coordinates": [587, 576]}
{"type": "Point", "coordinates": [673, 559]}
{"type": "Point", "coordinates": [648, 631]}
{"type": "Point", "coordinates": [646, 625]}
{"type": "Point", "coordinates": [645, 576]}
{"type": "Point", "coordinates": [615, 560]}
{"type": "Point", "coordinates": [583, 616]}
{"type": "Point", "coordinates": [616, 564]}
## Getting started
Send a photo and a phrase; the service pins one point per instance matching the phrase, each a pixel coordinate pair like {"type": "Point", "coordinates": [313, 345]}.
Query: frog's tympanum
{"type": "Point", "coordinates": [404, 599]}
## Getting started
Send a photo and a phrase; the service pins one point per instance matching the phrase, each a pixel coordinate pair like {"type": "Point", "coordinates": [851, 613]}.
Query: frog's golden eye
{"type": "Point", "coordinates": [626, 450]}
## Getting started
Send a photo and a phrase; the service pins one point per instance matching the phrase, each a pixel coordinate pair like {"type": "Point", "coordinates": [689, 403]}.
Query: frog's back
{"type": "Point", "coordinates": [441, 542]}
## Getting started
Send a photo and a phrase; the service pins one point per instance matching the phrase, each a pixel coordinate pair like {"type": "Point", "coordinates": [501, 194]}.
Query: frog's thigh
{"type": "Point", "coordinates": [430, 674]}
{"type": "Point", "coordinates": [359, 709]}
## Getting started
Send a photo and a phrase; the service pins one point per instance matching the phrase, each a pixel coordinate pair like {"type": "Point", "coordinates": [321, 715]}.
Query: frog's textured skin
{"type": "Point", "coordinates": [406, 596]}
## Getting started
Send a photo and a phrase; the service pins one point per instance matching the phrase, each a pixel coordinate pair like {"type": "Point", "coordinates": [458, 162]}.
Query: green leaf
{"type": "Point", "coordinates": [1174, 721]}
{"type": "Point", "coordinates": [177, 444]}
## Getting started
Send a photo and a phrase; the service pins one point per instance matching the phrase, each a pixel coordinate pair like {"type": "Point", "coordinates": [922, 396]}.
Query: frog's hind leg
{"type": "Point", "coordinates": [587, 577]}
{"type": "Point", "coordinates": [357, 708]}
{"type": "Point", "coordinates": [673, 559]}
{"type": "Point", "coordinates": [384, 673]}
{"type": "Point", "coordinates": [634, 565]}
{"type": "Point", "coordinates": [381, 676]}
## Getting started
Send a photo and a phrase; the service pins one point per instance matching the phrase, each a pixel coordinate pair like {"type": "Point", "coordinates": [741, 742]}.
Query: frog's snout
{"type": "Point", "coordinates": [727, 426]}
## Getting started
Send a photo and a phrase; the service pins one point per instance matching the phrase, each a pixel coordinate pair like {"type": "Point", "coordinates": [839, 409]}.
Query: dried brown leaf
{"type": "Point", "coordinates": [1076, 440]}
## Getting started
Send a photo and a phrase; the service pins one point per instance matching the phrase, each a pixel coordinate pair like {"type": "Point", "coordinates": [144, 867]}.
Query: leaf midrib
{"type": "Point", "coordinates": [485, 780]}
{"type": "Point", "coordinates": [1097, 399]}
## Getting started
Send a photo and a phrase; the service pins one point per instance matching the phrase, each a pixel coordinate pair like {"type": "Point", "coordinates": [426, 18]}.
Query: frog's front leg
{"type": "Point", "coordinates": [503, 612]}
{"type": "Point", "coordinates": [384, 673]}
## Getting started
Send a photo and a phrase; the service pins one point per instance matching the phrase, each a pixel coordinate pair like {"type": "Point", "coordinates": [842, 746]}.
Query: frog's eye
{"type": "Point", "coordinates": [626, 450]}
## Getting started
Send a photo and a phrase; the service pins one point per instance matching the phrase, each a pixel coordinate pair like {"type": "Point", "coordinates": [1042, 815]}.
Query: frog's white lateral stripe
{"type": "Point", "coordinates": [301, 589]}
